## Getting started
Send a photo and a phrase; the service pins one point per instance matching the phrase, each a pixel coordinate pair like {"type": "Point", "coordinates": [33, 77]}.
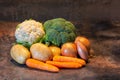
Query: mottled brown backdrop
{"type": "Point", "coordinates": [74, 10]}
{"type": "Point", "coordinates": [98, 20]}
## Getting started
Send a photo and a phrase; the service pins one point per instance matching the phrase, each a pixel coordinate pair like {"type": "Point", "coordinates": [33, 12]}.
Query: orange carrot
{"type": "Point", "coordinates": [32, 63]}
{"type": "Point", "coordinates": [68, 59]}
{"type": "Point", "coordinates": [64, 64]}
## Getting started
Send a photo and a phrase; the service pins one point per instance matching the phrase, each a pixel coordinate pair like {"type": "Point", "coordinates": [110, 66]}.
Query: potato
{"type": "Point", "coordinates": [41, 52]}
{"type": "Point", "coordinates": [55, 50]}
{"type": "Point", "coordinates": [19, 53]}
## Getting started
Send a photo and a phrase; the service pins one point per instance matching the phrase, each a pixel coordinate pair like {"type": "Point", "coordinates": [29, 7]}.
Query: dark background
{"type": "Point", "coordinates": [98, 20]}
{"type": "Point", "coordinates": [74, 10]}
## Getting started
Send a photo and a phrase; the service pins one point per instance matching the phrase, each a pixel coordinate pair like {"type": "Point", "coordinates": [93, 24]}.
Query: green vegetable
{"type": "Point", "coordinates": [59, 31]}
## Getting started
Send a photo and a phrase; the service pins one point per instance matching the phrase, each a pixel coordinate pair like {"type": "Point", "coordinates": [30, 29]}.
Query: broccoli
{"type": "Point", "coordinates": [29, 32]}
{"type": "Point", "coordinates": [59, 31]}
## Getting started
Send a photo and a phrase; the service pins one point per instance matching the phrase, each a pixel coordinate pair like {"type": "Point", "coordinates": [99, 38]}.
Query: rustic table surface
{"type": "Point", "coordinates": [105, 65]}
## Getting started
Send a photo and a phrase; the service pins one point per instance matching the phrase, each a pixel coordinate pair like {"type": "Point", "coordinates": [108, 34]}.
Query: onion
{"type": "Point", "coordinates": [82, 51]}
{"type": "Point", "coordinates": [84, 41]}
{"type": "Point", "coordinates": [69, 49]}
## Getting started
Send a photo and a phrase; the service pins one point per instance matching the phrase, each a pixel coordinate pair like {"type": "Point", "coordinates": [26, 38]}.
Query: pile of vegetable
{"type": "Point", "coordinates": [50, 46]}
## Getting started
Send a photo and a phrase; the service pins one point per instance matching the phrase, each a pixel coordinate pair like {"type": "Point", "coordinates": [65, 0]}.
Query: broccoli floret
{"type": "Point", "coordinates": [59, 31]}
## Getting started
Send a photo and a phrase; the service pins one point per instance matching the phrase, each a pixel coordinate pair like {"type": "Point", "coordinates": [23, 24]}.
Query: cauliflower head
{"type": "Point", "coordinates": [29, 32]}
{"type": "Point", "coordinates": [59, 31]}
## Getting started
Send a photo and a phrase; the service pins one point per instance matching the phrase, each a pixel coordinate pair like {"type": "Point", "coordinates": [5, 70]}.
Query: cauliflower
{"type": "Point", "coordinates": [29, 32]}
{"type": "Point", "coordinates": [59, 31]}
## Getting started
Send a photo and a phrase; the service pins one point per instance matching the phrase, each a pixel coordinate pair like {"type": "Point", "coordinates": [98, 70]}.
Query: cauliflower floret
{"type": "Point", "coordinates": [29, 32]}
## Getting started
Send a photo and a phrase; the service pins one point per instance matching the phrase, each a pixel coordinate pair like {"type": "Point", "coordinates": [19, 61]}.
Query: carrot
{"type": "Point", "coordinates": [64, 64]}
{"type": "Point", "coordinates": [68, 59]}
{"type": "Point", "coordinates": [32, 63]}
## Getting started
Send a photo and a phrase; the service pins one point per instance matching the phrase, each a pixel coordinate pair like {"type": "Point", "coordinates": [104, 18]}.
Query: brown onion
{"type": "Point", "coordinates": [69, 49]}
{"type": "Point", "coordinates": [84, 41]}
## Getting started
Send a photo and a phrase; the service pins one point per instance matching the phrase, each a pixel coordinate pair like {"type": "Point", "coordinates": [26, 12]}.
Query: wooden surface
{"type": "Point", "coordinates": [104, 66]}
